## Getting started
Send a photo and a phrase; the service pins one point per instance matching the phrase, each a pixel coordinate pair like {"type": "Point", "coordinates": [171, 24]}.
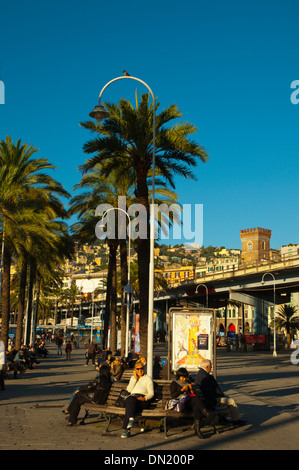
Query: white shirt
{"type": "Point", "coordinates": [144, 386]}
{"type": "Point", "coordinates": [2, 353]}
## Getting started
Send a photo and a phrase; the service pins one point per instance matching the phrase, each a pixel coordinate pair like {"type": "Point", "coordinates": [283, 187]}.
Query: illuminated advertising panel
{"type": "Point", "coordinates": [193, 337]}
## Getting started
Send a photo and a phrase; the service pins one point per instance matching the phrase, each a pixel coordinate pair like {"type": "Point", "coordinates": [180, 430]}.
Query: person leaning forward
{"type": "Point", "coordinates": [117, 369]}
{"type": "Point", "coordinates": [182, 385]}
{"type": "Point", "coordinates": [141, 389]}
{"type": "Point", "coordinates": [207, 388]}
{"type": "Point", "coordinates": [95, 392]}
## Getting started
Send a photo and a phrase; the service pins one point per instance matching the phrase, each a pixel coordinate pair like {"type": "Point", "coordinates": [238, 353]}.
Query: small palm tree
{"type": "Point", "coordinates": [73, 294]}
{"type": "Point", "coordinates": [288, 321]}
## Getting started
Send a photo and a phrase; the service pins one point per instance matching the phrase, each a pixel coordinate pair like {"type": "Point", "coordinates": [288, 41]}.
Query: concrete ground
{"type": "Point", "coordinates": [265, 388]}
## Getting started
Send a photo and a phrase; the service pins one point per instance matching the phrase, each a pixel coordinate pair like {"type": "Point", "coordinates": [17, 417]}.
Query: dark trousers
{"type": "Point", "coordinates": [90, 356]}
{"type": "Point", "coordinates": [75, 406]}
{"type": "Point", "coordinates": [197, 405]}
{"type": "Point", "coordinates": [133, 406]}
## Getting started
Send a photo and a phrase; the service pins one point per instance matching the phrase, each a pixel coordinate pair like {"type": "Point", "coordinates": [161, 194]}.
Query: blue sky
{"type": "Point", "coordinates": [227, 65]}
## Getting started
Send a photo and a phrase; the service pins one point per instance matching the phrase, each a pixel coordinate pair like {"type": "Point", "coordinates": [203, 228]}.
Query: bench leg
{"type": "Point", "coordinates": [164, 424]}
{"type": "Point", "coordinates": [108, 418]}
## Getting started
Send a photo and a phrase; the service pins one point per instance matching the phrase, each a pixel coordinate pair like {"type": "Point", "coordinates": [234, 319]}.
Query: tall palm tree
{"type": "Point", "coordinates": [46, 258]}
{"type": "Point", "coordinates": [35, 253]}
{"type": "Point", "coordinates": [26, 192]}
{"type": "Point", "coordinates": [73, 294]}
{"type": "Point", "coordinates": [125, 140]}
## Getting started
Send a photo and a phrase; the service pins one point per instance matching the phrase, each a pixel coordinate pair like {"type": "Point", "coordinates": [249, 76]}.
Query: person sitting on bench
{"type": "Point", "coordinates": [207, 388]}
{"type": "Point", "coordinates": [182, 385]}
{"type": "Point", "coordinates": [141, 389]}
{"type": "Point", "coordinates": [96, 392]}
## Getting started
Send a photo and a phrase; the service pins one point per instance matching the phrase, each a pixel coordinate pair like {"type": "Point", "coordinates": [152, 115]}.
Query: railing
{"type": "Point", "coordinates": [245, 270]}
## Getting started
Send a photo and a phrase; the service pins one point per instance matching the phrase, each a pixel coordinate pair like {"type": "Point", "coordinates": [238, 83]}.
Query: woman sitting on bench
{"type": "Point", "coordinates": [182, 385]}
{"type": "Point", "coordinates": [141, 389]}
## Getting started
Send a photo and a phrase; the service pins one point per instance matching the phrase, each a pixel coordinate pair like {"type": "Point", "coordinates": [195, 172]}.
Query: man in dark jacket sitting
{"type": "Point", "coordinates": [207, 388]}
{"type": "Point", "coordinates": [96, 392]}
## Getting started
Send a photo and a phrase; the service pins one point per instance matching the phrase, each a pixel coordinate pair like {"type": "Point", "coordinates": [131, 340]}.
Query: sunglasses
{"type": "Point", "coordinates": [139, 368]}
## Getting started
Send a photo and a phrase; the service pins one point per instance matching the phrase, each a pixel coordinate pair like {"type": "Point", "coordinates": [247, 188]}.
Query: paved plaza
{"type": "Point", "coordinates": [265, 388]}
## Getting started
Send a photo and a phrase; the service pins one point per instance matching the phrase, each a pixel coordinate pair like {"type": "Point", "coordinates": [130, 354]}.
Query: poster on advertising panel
{"type": "Point", "coordinates": [193, 338]}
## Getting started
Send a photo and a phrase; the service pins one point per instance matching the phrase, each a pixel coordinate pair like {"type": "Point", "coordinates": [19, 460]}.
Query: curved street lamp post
{"type": "Point", "coordinates": [262, 282]}
{"type": "Point", "coordinates": [207, 292]}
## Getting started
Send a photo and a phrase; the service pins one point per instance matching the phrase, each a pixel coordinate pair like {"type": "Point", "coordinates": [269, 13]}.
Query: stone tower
{"type": "Point", "coordinates": [255, 244]}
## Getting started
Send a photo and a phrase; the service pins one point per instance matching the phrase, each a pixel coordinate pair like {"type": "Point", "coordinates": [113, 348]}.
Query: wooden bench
{"type": "Point", "coordinates": [155, 411]}
{"type": "Point", "coordinates": [127, 374]}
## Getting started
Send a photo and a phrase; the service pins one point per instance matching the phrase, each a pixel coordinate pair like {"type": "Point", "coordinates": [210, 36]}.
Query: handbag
{"type": "Point", "coordinates": [121, 400]}
{"type": "Point", "coordinates": [178, 404]}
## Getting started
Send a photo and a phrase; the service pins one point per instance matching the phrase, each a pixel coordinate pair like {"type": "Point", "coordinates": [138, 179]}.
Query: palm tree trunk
{"type": "Point", "coordinates": [72, 312]}
{"type": "Point", "coordinates": [124, 281]}
{"type": "Point", "coordinates": [107, 307]}
{"type": "Point", "coordinates": [5, 295]}
{"type": "Point", "coordinates": [32, 272]}
{"type": "Point", "coordinates": [143, 252]}
{"type": "Point", "coordinates": [113, 329]}
{"type": "Point", "coordinates": [109, 293]}
{"type": "Point", "coordinates": [21, 303]}
{"type": "Point", "coordinates": [35, 316]}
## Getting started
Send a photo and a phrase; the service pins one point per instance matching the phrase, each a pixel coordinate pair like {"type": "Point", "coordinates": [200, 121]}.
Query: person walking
{"type": "Point", "coordinates": [68, 350]}
{"type": "Point", "coordinates": [91, 353]}
{"type": "Point", "coordinates": [59, 342]}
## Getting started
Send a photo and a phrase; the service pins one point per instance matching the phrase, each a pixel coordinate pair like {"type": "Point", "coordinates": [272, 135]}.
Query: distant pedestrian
{"type": "Point", "coordinates": [68, 350]}
{"type": "Point", "coordinates": [59, 343]}
{"type": "Point", "coordinates": [91, 352]}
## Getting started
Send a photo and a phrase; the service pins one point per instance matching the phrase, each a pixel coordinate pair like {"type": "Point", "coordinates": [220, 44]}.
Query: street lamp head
{"type": "Point", "coordinates": [99, 113]}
